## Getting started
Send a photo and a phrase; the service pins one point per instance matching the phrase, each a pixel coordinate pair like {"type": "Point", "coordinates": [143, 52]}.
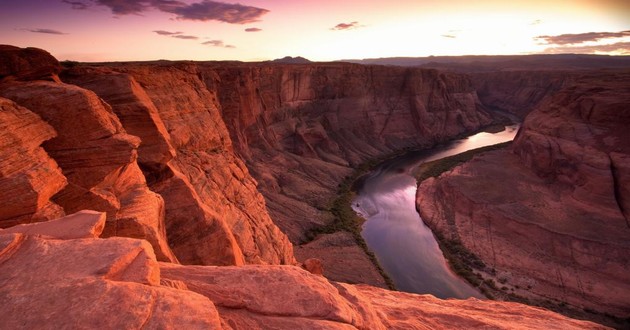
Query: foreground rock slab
{"type": "Point", "coordinates": [117, 283]}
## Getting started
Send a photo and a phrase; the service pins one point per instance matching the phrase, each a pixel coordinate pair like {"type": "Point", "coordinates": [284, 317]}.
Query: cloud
{"type": "Point", "coordinates": [571, 39]}
{"type": "Point", "coordinates": [217, 43]}
{"type": "Point", "coordinates": [78, 5]}
{"type": "Point", "coordinates": [449, 36]}
{"type": "Point", "coordinates": [622, 48]}
{"type": "Point", "coordinates": [166, 33]}
{"type": "Point", "coordinates": [204, 10]}
{"type": "Point", "coordinates": [186, 37]}
{"type": "Point", "coordinates": [46, 31]}
{"type": "Point", "coordinates": [536, 22]}
{"type": "Point", "coordinates": [346, 26]}
{"type": "Point", "coordinates": [253, 29]}
{"type": "Point", "coordinates": [224, 12]}
{"type": "Point", "coordinates": [177, 34]}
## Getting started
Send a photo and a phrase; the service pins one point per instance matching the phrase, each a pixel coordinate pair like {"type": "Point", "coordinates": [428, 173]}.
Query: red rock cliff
{"type": "Point", "coordinates": [551, 214]}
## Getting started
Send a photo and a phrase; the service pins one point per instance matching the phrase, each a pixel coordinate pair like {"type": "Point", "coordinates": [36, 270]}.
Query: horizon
{"type": "Point", "coordinates": [321, 31]}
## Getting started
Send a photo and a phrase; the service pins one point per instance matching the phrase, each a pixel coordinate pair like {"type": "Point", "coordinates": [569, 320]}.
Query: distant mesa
{"type": "Point", "coordinates": [292, 60]}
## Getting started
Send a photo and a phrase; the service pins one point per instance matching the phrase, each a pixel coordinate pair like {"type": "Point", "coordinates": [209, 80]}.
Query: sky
{"type": "Point", "coordinates": [320, 30]}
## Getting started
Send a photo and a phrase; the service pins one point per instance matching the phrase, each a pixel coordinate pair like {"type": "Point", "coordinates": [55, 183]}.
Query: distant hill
{"type": "Point", "coordinates": [481, 63]}
{"type": "Point", "coordinates": [292, 60]}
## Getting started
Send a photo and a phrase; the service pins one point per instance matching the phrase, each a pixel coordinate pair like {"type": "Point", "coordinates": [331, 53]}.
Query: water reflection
{"type": "Point", "coordinates": [404, 246]}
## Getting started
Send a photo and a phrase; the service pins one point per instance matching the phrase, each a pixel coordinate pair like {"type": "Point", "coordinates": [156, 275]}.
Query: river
{"type": "Point", "coordinates": [404, 246]}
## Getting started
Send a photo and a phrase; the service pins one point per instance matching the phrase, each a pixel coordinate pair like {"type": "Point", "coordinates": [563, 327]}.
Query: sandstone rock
{"type": "Point", "coordinates": [410, 311]}
{"type": "Point", "coordinates": [342, 259]}
{"type": "Point", "coordinates": [97, 157]}
{"type": "Point", "coordinates": [27, 63]}
{"type": "Point", "coordinates": [552, 214]}
{"type": "Point", "coordinates": [262, 297]}
{"type": "Point", "coordinates": [83, 224]}
{"type": "Point", "coordinates": [115, 285]}
{"type": "Point", "coordinates": [228, 210]}
{"type": "Point", "coordinates": [314, 266]}
{"type": "Point", "coordinates": [133, 107]}
{"type": "Point", "coordinates": [197, 235]}
{"type": "Point", "coordinates": [28, 176]}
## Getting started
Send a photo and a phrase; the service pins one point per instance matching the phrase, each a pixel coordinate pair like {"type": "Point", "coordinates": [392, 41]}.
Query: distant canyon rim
{"type": "Point", "coordinates": [194, 165]}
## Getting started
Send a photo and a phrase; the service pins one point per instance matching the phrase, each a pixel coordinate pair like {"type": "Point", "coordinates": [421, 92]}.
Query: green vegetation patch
{"type": "Point", "coordinates": [437, 167]}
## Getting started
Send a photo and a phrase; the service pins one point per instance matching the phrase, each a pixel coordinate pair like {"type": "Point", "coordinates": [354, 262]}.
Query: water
{"type": "Point", "coordinates": [404, 245]}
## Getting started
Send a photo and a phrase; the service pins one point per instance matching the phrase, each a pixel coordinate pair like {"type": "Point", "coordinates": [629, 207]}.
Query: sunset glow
{"type": "Point", "coordinates": [252, 30]}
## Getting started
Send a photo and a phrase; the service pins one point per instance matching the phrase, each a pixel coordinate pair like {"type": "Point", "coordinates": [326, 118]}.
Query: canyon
{"type": "Point", "coordinates": [204, 180]}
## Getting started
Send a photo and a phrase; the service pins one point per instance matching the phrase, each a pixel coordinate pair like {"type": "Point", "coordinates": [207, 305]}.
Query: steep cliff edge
{"type": "Point", "coordinates": [214, 214]}
{"type": "Point", "coordinates": [120, 284]}
{"type": "Point", "coordinates": [176, 182]}
{"type": "Point", "coordinates": [550, 215]}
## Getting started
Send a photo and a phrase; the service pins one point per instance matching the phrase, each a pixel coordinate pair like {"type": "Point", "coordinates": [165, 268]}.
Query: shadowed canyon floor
{"type": "Point", "coordinates": [196, 170]}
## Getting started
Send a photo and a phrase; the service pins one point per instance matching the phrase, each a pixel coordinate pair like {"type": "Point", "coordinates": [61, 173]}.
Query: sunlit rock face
{"type": "Point", "coordinates": [28, 176]}
{"type": "Point", "coordinates": [158, 160]}
{"type": "Point", "coordinates": [551, 213]}
{"type": "Point", "coordinates": [119, 283]}
{"type": "Point", "coordinates": [214, 213]}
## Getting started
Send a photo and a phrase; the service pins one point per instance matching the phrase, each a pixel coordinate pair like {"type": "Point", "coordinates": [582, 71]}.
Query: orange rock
{"type": "Point", "coordinates": [262, 297]}
{"type": "Point", "coordinates": [98, 157]}
{"type": "Point", "coordinates": [314, 266]}
{"type": "Point", "coordinates": [27, 63]}
{"type": "Point", "coordinates": [341, 258]}
{"type": "Point", "coordinates": [132, 106]}
{"type": "Point", "coordinates": [28, 176]}
{"type": "Point", "coordinates": [227, 222]}
{"type": "Point", "coordinates": [116, 285]}
{"type": "Point", "coordinates": [120, 284]}
{"type": "Point", "coordinates": [83, 224]}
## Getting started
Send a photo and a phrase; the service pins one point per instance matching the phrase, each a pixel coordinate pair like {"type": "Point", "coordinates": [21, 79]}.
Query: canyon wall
{"type": "Point", "coordinates": [156, 158]}
{"type": "Point", "coordinates": [302, 128]}
{"type": "Point", "coordinates": [550, 214]}
{"type": "Point", "coordinates": [516, 91]}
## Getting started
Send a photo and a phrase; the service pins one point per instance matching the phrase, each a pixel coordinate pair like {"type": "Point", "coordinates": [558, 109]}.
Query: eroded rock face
{"type": "Point", "coordinates": [551, 215]}
{"type": "Point", "coordinates": [214, 213]}
{"type": "Point", "coordinates": [27, 63]}
{"type": "Point", "coordinates": [28, 176]}
{"type": "Point", "coordinates": [97, 157]}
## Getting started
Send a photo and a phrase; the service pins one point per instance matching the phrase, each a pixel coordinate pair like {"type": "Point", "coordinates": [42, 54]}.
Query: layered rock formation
{"type": "Point", "coordinates": [550, 215]}
{"type": "Point", "coordinates": [28, 176]}
{"type": "Point", "coordinates": [213, 213]}
{"type": "Point", "coordinates": [120, 284]}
